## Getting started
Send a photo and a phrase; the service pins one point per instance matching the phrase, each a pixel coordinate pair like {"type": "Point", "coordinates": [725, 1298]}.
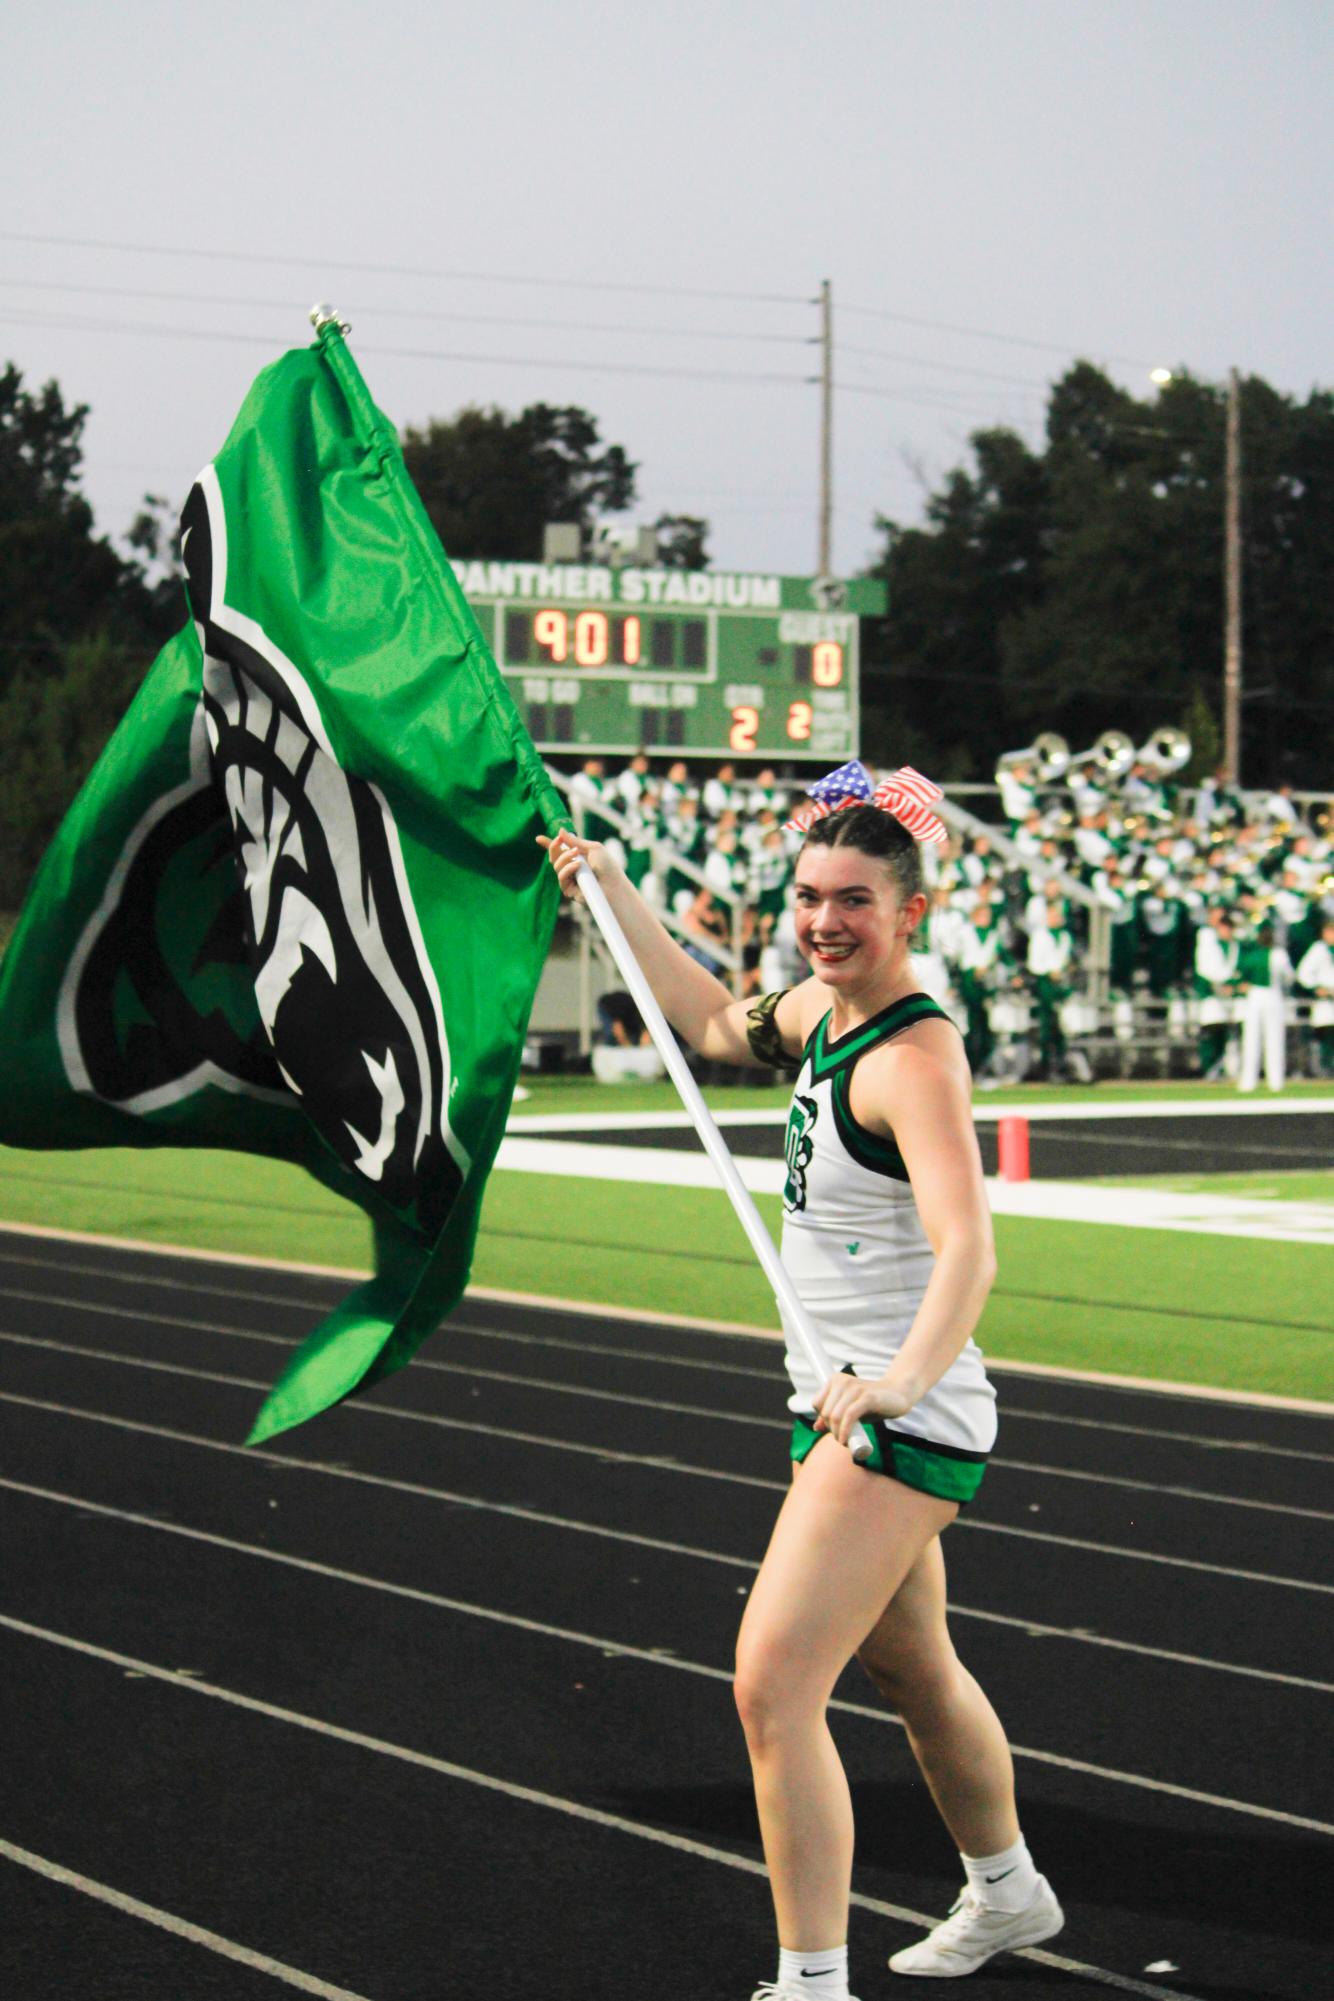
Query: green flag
{"type": "Point", "coordinates": [298, 908]}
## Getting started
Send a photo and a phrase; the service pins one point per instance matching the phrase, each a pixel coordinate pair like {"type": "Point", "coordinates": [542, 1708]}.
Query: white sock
{"type": "Point", "coordinates": [1006, 1881]}
{"type": "Point", "coordinates": [822, 1975]}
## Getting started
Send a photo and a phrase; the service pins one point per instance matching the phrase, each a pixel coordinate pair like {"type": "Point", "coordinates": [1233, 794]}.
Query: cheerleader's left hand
{"type": "Point", "coordinates": [844, 1401]}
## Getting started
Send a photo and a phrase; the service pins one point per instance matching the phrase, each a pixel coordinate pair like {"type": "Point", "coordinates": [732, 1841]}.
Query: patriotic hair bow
{"type": "Point", "coordinates": [905, 794]}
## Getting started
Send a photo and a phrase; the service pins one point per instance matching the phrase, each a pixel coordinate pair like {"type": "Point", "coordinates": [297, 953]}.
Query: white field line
{"type": "Point", "coordinates": [650, 1656]}
{"type": "Point", "coordinates": [986, 1111]}
{"type": "Point", "coordinates": [543, 1519]}
{"type": "Point", "coordinates": [638, 1316]}
{"type": "Point", "coordinates": [1052, 1201]}
{"type": "Point", "coordinates": [167, 1921]}
{"type": "Point", "coordinates": [588, 1394]}
{"type": "Point", "coordinates": [1161, 1108]}
{"type": "Point", "coordinates": [660, 1462]}
{"type": "Point", "coordinates": [573, 1809]}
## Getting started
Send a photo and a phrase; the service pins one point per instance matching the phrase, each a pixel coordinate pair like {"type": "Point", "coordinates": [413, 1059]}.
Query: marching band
{"type": "Point", "coordinates": [1219, 904]}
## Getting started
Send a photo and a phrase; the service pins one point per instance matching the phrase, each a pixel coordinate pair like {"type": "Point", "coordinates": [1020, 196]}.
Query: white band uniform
{"type": "Point", "coordinates": [854, 1244]}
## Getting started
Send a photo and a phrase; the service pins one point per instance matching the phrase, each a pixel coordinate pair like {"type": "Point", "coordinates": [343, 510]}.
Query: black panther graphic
{"type": "Point", "coordinates": [317, 909]}
{"type": "Point", "coordinates": [159, 999]}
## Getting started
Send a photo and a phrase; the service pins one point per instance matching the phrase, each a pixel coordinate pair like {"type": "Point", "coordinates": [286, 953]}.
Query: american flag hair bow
{"type": "Point", "coordinates": [905, 794]}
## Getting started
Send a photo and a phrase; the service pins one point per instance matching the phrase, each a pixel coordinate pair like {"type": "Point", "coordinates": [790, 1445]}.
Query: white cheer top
{"type": "Point", "coordinates": [853, 1241]}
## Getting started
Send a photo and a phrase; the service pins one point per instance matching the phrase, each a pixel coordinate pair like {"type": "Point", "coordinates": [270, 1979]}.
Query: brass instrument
{"type": "Point", "coordinates": [1049, 754]}
{"type": "Point", "coordinates": [1166, 751]}
{"type": "Point", "coordinates": [1113, 753]}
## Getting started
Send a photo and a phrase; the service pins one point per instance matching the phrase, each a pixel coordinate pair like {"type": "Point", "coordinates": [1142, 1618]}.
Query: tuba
{"type": "Point", "coordinates": [1049, 755]}
{"type": "Point", "coordinates": [1113, 753]}
{"type": "Point", "coordinates": [1167, 750]}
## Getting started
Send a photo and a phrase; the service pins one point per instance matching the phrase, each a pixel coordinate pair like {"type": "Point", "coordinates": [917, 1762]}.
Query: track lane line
{"type": "Point", "coordinates": [594, 1309]}
{"type": "Point", "coordinates": [167, 1921]}
{"type": "Point", "coordinates": [582, 1390]}
{"type": "Point", "coordinates": [650, 1656]}
{"type": "Point", "coordinates": [574, 1809]}
{"type": "Point", "coordinates": [456, 1324]}
{"type": "Point", "coordinates": [515, 1511]}
{"type": "Point", "coordinates": [540, 1518]}
{"type": "Point", "coordinates": [660, 1463]}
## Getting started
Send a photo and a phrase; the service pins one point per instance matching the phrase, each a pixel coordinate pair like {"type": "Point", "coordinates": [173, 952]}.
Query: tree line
{"type": "Point", "coordinates": [1080, 587]}
{"type": "Point", "coordinates": [1076, 587]}
{"type": "Point", "coordinates": [80, 621]}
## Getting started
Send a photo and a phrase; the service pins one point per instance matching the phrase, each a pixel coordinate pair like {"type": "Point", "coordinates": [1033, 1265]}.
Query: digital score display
{"type": "Point", "coordinates": [724, 664]}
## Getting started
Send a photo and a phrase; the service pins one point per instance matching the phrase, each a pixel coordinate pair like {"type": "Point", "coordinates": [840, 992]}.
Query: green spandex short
{"type": "Point", "coordinates": [942, 1470]}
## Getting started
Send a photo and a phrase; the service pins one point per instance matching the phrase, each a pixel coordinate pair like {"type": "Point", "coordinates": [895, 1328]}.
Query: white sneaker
{"type": "Point", "coordinates": [770, 1990]}
{"type": "Point", "coordinates": [973, 1932]}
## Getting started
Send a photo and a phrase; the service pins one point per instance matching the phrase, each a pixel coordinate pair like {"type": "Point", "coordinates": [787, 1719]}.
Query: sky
{"type": "Point", "coordinates": [632, 208]}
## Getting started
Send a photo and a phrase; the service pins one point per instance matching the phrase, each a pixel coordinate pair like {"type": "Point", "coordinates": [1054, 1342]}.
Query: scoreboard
{"type": "Point", "coordinates": [720, 663]}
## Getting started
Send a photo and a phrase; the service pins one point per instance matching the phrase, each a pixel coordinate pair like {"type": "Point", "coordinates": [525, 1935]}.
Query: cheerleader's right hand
{"type": "Point", "coordinates": [567, 853]}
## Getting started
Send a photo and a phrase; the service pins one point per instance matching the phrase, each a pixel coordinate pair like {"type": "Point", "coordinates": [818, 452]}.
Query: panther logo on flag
{"type": "Point", "coordinates": [314, 915]}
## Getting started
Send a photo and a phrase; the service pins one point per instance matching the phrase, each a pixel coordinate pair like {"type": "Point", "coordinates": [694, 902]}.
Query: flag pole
{"type": "Point", "coordinates": [798, 1323]}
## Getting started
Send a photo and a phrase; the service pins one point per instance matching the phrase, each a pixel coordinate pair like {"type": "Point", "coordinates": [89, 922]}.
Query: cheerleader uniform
{"type": "Point", "coordinates": [860, 1262]}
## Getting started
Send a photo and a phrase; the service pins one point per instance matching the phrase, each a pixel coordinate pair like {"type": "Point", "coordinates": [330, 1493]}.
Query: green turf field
{"type": "Point", "coordinates": [1289, 1186]}
{"type": "Point", "coordinates": [1239, 1313]}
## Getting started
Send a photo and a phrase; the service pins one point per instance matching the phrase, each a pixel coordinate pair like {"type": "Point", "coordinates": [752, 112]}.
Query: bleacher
{"type": "Point", "coordinates": [1104, 848]}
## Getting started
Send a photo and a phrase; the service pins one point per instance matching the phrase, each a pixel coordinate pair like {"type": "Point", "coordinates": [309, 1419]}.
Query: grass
{"type": "Point", "coordinates": [1295, 1186]}
{"type": "Point", "coordinates": [1237, 1313]}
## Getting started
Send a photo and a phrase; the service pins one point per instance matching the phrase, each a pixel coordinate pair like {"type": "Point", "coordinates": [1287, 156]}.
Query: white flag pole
{"type": "Point", "coordinates": [798, 1322]}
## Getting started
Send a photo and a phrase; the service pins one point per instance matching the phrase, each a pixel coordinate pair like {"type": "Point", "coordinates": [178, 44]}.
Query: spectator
{"type": "Point", "coordinates": [721, 793]}
{"type": "Point", "coordinates": [1216, 986]}
{"type": "Point", "coordinates": [588, 788]}
{"type": "Point", "coordinates": [1090, 840]}
{"type": "Point", "coordinates": [724, 869]}
{"type": "Point", "coordinates": [1018, 793]}
{"type": "Point", "coordinates": [770, 874]}
{"type": "Point", "coordinates": [633, 781]}
{"type": "Point", "coordinates": [1278, 808]}
{"type": "Point", "coordinates": [985, 964]}
{"type": "Point", "coordinates": [1049, 960]}
{"type": "Point", "coordinates": [1263, 973]}
{"type": "Point", "coordinates": [676, 786]}
{"type": "Point", "coordinates": [620, 1021]}
{"type": "Point", "coordinates": [704, 924]}
{"type": "Point", "coordinates": [1161, 911]}
{"type": "Point", "coordinates": [937, 943]}
{"type": "Point", "coordinates": [767, 795]}
{"type": "Point", "coordinates": [1315, 975]}
{"type": "Point", "coordinates": [979, 865]}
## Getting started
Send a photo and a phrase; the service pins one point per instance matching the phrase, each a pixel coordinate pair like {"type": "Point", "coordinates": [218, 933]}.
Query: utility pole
{"type": "Point", "coordinates": [825, 561]}
{"type": "Point", "coordinates": [1232, 562]}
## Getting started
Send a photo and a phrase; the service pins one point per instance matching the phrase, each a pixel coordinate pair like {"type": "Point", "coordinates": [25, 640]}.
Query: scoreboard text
{"type": "Point", "coordinates": [722, 663]}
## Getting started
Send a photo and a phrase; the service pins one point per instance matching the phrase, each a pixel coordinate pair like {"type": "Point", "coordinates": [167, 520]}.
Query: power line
{"type": "Point", "coordinates": [405, 313]}
{"type": "Point", "coordinates": [947, 367]}
{"type": "Point", "coordinates": [943, 400]}
{"type": "Point", "coordinates": [326, 264]}
{"type": "Point", "coordinates": [984, 333]}
{"type": "Point", "coordinates": [403, 270]}
{"type": "Point", "coordinates": [587, 364]}
{"type": "Point", "coordinates": [939, 399]}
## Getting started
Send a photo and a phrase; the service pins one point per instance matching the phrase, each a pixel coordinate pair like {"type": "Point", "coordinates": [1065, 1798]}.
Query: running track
{"type": "Point", "coordinates": [1111, 1138]}
{"type": "Point", "coordinates": [432, 1699]}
